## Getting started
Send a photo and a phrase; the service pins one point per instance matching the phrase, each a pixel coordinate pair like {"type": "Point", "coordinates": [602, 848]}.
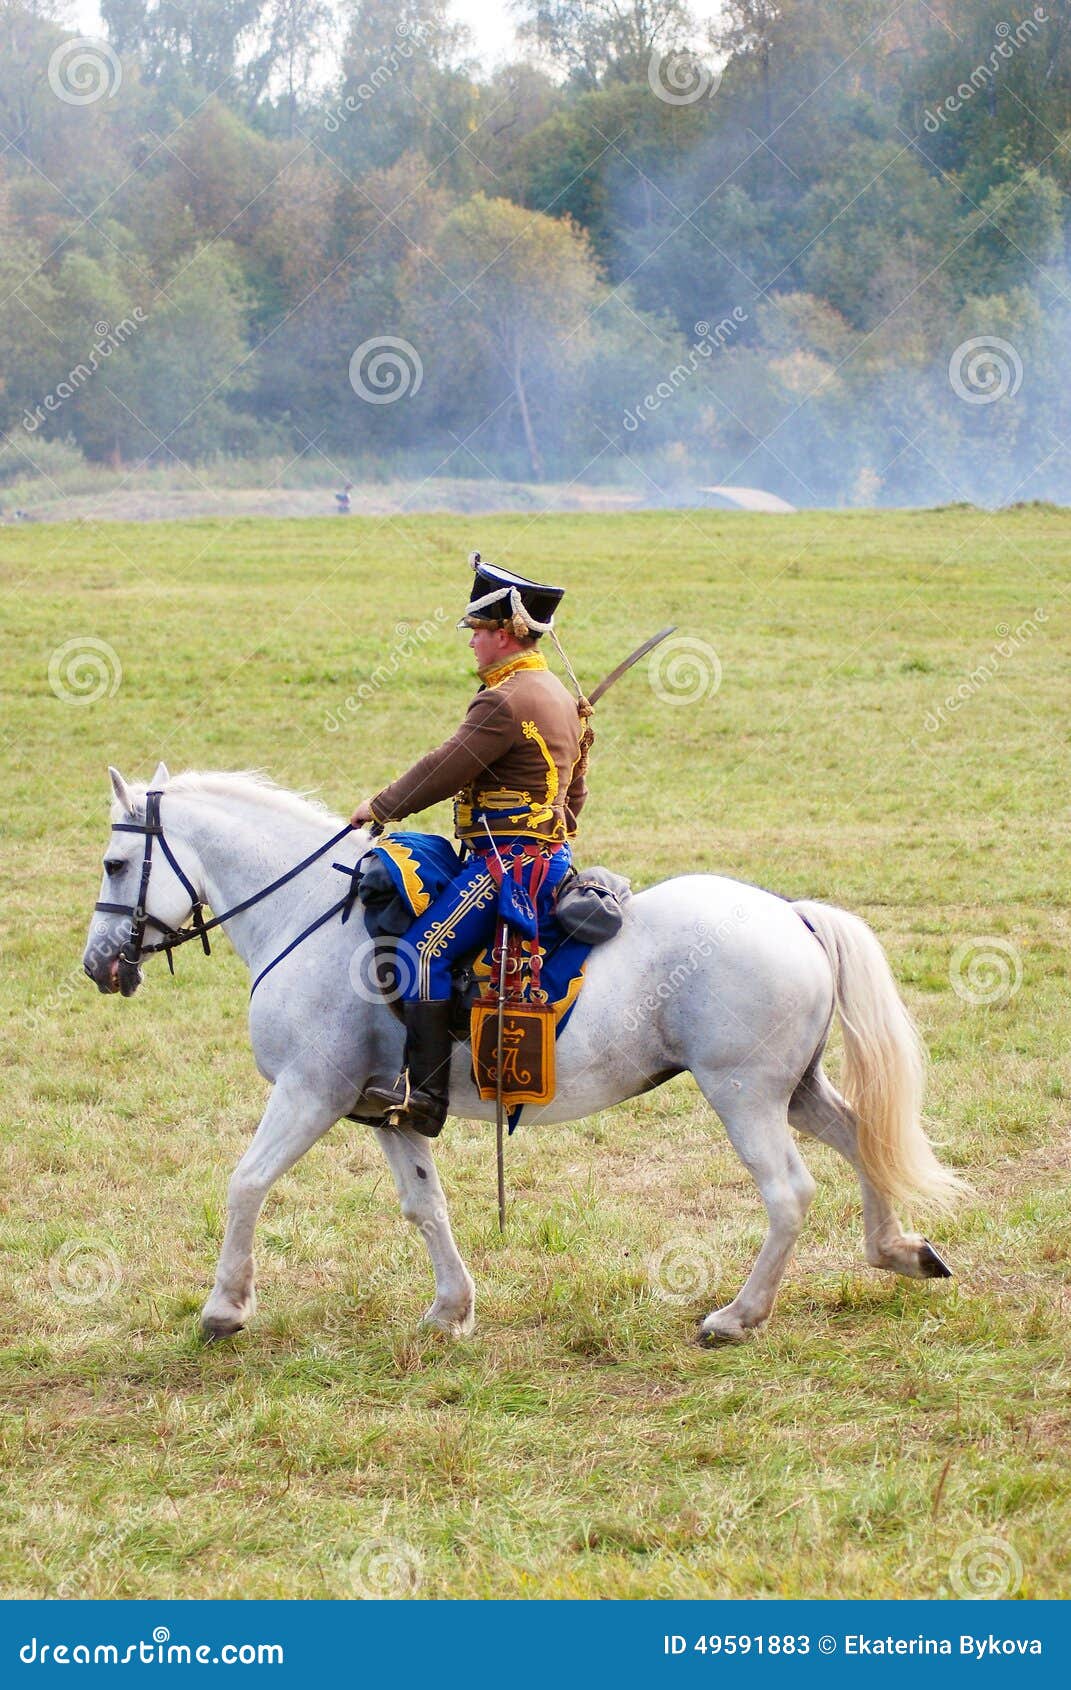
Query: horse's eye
{"type": "Point", "coordinates": [114, 865]}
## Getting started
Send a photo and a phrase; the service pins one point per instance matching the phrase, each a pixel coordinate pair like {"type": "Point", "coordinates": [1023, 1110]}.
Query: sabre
{"type": "Point", "coordinates": [634, 657]}
{"type": "Point", "coordinates": [500, 1108]}
{"type": "Point", "coordinates": [503, 929]}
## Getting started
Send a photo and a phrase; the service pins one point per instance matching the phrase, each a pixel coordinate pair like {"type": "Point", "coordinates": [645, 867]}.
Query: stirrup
{"type": "Point", "coordinates": [388, 1094]}
{"type": "Point", "coordinates": [399, 1111]}
{"type": "Point", "coordinates": [395, 1116]}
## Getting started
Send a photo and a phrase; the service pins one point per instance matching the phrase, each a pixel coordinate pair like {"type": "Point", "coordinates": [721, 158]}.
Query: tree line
{"type": "Point", "coordinates": [818, 246]}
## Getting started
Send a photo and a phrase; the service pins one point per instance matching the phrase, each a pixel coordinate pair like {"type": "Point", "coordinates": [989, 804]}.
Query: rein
{"type": "Point", "coordinates": [134, 948]}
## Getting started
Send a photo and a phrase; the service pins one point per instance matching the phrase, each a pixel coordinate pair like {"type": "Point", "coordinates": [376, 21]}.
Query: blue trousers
{"type": "Point", "coordinates": [463, 917]}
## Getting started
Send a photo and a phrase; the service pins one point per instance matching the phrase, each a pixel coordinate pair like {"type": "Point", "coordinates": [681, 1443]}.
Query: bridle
{"type": "Point", "coordinates": [134, 946]}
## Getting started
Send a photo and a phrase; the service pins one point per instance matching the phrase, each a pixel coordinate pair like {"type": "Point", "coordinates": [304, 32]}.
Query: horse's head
{"type": "Point", "coordinates": [111, 960]}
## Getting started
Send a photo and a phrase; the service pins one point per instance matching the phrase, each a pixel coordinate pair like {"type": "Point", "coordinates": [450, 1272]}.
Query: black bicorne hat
{"type": "Point", "coordinates": [500, 598]}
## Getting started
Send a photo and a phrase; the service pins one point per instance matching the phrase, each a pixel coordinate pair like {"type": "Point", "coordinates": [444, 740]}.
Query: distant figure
{"type": "Point", "coordinates": [342, 500]}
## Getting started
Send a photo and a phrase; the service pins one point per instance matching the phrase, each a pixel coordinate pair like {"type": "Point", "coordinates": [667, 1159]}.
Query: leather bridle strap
{"type": "Point", "coordinates": [135, 948]}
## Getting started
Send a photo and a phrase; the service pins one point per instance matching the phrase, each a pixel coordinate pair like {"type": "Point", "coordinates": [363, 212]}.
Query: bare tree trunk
{"type": "Point", "coordinates": [526, 422]}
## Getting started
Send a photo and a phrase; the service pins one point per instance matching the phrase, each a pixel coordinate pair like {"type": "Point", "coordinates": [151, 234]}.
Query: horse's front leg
{"type": "Point", "coordinates": [294, 1119]}
{"type": "Point", "coordinates": [423, 1202]}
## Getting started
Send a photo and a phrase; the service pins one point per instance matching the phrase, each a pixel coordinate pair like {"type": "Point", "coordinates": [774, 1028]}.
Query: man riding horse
{"type": "Point", "coordinates": [515, 769]}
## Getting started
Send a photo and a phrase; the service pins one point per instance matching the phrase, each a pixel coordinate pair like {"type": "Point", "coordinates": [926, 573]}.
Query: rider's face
{"type": "Point", "coordinates": [490, 646]}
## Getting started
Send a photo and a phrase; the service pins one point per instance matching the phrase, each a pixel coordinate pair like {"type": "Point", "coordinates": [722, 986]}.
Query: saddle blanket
{"type": "Point", "coordinates": [420, 865]}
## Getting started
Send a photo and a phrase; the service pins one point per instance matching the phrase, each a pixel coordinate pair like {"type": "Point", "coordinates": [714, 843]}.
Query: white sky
{"type": "Point", "coordinates": [489, 21]}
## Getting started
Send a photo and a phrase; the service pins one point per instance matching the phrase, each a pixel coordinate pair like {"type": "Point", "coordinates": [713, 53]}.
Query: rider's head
{"type": "Point", "coordinates": [493, 643]}
{"type": "Point", "coordinates": [507, 614]}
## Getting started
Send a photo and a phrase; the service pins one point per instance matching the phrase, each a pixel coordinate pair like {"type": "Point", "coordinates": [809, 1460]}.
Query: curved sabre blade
{"type": "Point", "coordinates": [634, 657]}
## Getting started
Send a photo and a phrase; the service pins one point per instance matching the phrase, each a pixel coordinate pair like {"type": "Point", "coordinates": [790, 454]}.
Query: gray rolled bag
{"type": "Point", "coordinates": [591, 904]}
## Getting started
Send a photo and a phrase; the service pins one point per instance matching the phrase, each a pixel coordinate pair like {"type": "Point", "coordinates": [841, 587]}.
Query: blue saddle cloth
{"type": "Point", "coordinates": [421, 864]}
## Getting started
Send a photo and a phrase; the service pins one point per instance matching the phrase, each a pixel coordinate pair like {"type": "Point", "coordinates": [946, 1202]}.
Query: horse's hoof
{"type": "Point", "coordinates": [721, 1329]}
{"type": "Point", "coordinates": [452, 1323]}
{"type": "Point", "coordinates": [213, 1330]}
{"type": "Point", "coordinates": [932, 1264]}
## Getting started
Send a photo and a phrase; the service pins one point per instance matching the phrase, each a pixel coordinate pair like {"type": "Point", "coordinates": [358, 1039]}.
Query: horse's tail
{"type": "Point", "coordinates": [884, 1062]}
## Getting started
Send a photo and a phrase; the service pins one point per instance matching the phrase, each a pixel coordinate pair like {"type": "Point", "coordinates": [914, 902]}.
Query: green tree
{"type": "Point", "coordinates": [190, 46]}
{"type": "Point", "coordinates": [187, 364]}
{"type": "Point", "coordinates": [29, 323]}
{"type": "Point", "coordinates": [297, 33]}
{"type": "Point", "coordinates": [405, 86]}
{"type": "Point", "coordinates": [509, 294]}
{"type": "Point", "coordinates": [598, 41]}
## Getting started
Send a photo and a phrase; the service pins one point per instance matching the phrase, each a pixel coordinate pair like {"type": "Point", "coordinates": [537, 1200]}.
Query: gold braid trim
{"type": "Point", "coordinates": [513, 666]}
{"type": "Point", "coordinates": [530, 731]}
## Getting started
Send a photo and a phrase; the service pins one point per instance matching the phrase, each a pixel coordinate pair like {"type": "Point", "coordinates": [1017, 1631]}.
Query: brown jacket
{"type": "Point", "coordinates": [516, 758]}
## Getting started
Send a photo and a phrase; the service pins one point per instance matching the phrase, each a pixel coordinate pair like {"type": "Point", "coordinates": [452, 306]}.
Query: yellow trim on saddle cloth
{"type": "Point", "coordinates": [409, 869]}
{"type": "Point", "coordinates": [484, 974]}
{"type": "Point", "coordinates": [572, 992]}
{"type": "Point", "coordinates": [513, 666]}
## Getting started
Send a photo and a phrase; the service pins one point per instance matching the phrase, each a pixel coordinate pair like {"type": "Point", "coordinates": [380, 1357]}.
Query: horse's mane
{"type": "Point", "coordinates": [244, 785]}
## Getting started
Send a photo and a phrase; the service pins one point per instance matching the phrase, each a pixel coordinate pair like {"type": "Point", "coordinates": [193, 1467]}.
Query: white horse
{"type": "Point", "coordinates": [709, 975]}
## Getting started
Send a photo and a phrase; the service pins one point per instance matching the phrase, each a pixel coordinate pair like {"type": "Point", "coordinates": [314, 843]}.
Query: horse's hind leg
{"type": "Point", "coordinates": [817, 1108]}
{"type": "Point", "coordinates": [424, 1204]}
{"type": "Point", "coordinates": [759, 1133]}
{"type": "Point", "coordinates": [294, 1119]}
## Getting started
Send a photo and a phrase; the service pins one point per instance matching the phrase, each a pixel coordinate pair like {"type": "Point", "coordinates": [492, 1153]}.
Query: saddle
{"type": "Point", "coordinates": [541, 968]}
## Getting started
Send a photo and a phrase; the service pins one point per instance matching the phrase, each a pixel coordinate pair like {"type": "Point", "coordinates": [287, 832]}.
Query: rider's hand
{"type": "Point", "coordinates": [362, 814]}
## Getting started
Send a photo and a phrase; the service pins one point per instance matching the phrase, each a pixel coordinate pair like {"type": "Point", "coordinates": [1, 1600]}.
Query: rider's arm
{"type": "Point", "coordinates": [486, 733]}
{"type": "Point", "coordinates": [576, 797]}
{"type": "Point", "coordinates": [575, 800]}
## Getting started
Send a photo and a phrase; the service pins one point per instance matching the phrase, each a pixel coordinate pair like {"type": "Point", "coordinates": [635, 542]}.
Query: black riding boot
{"type": "Point", "coordinates": [419, 1095]}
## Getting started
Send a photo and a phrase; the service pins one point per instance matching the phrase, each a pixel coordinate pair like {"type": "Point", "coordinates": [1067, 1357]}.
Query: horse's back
{"type": "Point", "coordinates": [732, 916]}
{"type": "Point", "coordinates": [703, 966]}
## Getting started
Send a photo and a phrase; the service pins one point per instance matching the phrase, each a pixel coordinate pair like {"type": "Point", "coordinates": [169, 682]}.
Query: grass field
{"type": "Point", "coordinates": [881, 1438]}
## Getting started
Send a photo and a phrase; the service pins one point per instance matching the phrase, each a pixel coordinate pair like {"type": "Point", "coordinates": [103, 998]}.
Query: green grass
{"type": "Point", "coordinates": [578, 1445]}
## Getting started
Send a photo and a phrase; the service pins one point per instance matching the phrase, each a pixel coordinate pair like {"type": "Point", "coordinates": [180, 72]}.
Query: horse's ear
{"type": "Point", "coordinates": [121, 790]}
{"type": "Point", "coordinates": [161, 777]}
